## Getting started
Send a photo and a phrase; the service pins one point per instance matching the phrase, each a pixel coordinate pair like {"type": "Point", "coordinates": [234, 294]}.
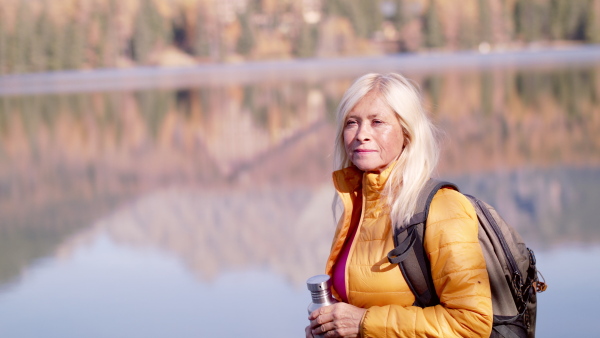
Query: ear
{"type": "Point", "coordinates": [405, 137]}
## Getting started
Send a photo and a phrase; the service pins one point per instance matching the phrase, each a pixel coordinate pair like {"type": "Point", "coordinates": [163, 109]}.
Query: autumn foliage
{"type": "Point", "coordinates": [47, 35]}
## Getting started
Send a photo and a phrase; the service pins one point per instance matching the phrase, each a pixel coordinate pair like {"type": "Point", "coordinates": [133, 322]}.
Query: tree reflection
{"type": "Point", "coordinates": [527, 140]}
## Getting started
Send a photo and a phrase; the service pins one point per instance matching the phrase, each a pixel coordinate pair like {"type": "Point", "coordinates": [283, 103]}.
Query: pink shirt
{"type": "Point", "coordinates": [339, 269]}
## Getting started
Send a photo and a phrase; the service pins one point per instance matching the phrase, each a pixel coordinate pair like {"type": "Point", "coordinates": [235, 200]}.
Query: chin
{"type": "Point", "coordinates": [370, 168]}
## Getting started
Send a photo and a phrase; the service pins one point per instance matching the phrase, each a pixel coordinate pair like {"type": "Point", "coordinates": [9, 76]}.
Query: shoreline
{"type": "Point", "coordinates": [310, 70]}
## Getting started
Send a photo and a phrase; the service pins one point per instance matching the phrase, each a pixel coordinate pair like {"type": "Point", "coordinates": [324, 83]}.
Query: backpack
{"type": "Point", "coordinates": [510, 264]}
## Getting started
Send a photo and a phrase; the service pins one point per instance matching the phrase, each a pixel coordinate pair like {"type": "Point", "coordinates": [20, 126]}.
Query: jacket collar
{"type": "Point", "coordinates": [351, 179]}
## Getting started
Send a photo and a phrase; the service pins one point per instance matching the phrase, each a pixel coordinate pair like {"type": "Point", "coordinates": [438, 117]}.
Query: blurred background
{"type": "Point", "coordinates": [165, 166]}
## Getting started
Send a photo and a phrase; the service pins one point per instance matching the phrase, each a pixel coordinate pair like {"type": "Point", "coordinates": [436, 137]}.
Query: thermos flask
{"type": "Point", "coordinates": [320, 290]}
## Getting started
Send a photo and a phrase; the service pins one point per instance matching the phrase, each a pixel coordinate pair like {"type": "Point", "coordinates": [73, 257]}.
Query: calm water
{"type": "Point", "coordinates": [200, 210]}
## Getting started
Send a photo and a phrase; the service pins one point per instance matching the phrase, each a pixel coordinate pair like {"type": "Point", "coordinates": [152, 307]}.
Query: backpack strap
{"type": "Point", "coordinates": [409, 252]}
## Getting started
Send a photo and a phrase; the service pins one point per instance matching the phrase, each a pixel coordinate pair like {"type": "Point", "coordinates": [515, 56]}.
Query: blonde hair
{"type": "Point", "coordinates": [417, 161]}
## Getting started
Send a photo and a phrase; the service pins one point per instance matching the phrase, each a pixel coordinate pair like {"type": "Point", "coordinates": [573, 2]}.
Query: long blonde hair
{"type": "Point", "coordinates": [417, 161]}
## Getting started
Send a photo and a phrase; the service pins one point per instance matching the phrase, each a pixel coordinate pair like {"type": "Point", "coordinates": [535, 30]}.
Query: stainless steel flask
{"type": "Point", "coordinates": [320, 290]}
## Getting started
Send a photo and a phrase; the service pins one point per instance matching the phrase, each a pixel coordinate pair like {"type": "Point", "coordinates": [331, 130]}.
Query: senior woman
{"type": "Point", "coordinates": [385, 153]}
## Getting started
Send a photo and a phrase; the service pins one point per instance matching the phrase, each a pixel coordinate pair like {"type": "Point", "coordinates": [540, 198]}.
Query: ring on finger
{"type": "Point", "coordinates": [323, 328]}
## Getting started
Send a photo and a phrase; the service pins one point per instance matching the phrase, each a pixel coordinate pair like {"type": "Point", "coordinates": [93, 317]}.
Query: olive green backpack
{"type": "Point", "coordinates": [510, 265]}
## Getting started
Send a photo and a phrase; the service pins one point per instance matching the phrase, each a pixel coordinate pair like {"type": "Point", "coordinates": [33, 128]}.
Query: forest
{"type": "Point", "coordinates": [47, 35]}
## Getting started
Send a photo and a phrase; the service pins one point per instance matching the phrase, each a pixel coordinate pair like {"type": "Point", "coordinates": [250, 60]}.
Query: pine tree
{"type": "Point", "coordinates": [3, 45]}
{"type": "Point", "coordinates": [20, 46]}
{"type": "Point", "coordinates": [57, 47]}
{"type": "Point", "coordinates": [365, 17]}
{"type": "Point", "coordinates": [39, 52]}
{"type": "Point", "coordinates": [529, 17]}
{"type": "Point", "coordinates": [485, 22]}
{"type": "Point", "coordinates": [202, 40]}
{"type": "Point", "coordinates": [75, 38]}
{"type": "Point", "coordinates": [150, 31]}
{"type": "Point", "coordinates": [558, 10]}
{"type": "Point", "coordinates": [592, 21]}
{"type": "Point", "coordinates": [306, 46]}
{"type": "Point", "coordinates": [399, 17]}
{"type": "Point", "coordinates": [245, 42]}
{"type": "Point", "coordinates": [432, 27]}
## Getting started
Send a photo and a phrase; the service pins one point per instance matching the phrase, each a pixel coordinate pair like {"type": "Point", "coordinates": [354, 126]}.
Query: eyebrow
{"type": "Point", "coordinates": [368, 116]}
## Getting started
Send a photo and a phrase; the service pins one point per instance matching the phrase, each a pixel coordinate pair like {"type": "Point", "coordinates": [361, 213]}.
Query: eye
{"type": "Point", "coordinates": [377, 122]}
{"type": "Point", "coordinates": [350, 122]}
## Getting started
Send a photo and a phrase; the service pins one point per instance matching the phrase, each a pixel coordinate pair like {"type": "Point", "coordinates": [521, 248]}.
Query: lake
{"type": "Point", "coordinates": [196, 202]}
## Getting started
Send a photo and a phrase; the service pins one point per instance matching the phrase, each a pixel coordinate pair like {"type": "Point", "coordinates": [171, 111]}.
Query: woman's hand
{"type": "Point", "coordinates": [337, 320]}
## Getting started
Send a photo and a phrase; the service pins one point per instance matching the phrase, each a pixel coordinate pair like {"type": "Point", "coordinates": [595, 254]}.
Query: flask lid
{"type": "Point", "coordinates": [319, 283]}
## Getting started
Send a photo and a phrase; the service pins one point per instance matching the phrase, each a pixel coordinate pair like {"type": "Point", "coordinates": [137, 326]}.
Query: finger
{"type": "Point", "coordinates": [321, 329]}
{"type": "Point", "coordinates": [321, 320]}
{"type": "Point", "coordinates": [319, 311]}
{"type": "Point", "coordinates": [325, 310]}
{"type": "Point", "coordinates": [315, 323]}
{"type": "Point", "coordinates": [308, 332]}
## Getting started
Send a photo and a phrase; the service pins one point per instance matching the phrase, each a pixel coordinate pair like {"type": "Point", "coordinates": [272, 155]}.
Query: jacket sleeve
{"type": "Point", "coordinates": [460, 278]}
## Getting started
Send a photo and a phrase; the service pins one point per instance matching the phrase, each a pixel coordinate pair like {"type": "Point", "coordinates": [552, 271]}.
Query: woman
{"type": "Point", "coordinates": [385, 153]}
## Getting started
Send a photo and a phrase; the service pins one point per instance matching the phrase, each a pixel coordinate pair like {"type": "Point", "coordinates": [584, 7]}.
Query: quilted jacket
{"type": "Point", "coordinates": [457, 264]}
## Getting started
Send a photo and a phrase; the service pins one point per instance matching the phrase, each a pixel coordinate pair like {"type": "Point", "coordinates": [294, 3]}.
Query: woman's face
{"type": "Point", "coordinates": [372, 134]}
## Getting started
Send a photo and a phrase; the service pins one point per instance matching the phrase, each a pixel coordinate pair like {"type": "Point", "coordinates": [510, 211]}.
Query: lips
{"type": "Point", "coordinates": [359, 153]}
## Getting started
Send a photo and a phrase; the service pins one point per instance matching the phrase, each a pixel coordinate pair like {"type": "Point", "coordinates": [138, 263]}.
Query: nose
{"type": "Point", "coordinates": [363, 133]}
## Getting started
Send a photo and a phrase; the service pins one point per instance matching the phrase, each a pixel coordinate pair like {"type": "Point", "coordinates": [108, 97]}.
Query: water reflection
{"type": "Point", "coordinates": [108, 290]}
{"type": "Point", "coordinates": [216, 232]}
{"type": "Point", "coordinates": [550, 207]}
{"type": "Point", "coordinates": [235, 179]}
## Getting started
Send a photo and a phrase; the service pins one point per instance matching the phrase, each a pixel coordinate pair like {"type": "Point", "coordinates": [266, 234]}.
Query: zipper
{"type": "Point", "coordinates": [516, 278]}
{"type": "Point", "coordinates": [363, 203]}
{"type": "Point", "coordinates": [510, 258]}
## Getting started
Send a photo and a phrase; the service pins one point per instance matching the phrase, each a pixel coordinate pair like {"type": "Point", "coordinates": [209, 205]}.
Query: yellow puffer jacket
{"type": "Point", "coordinates": [457, 264]}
